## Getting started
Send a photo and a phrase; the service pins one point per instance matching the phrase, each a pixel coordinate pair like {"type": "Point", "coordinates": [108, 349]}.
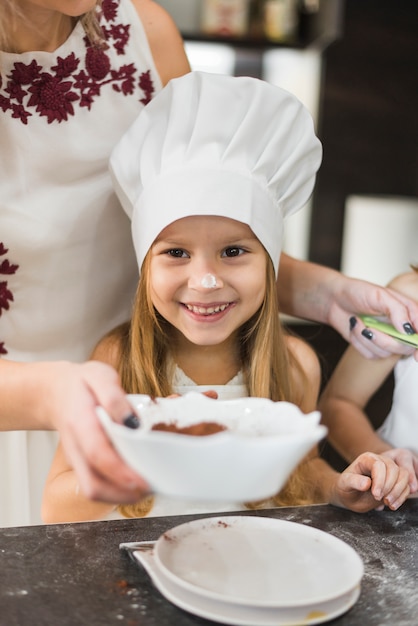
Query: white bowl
{"type": "Point", "coordinates": [251, 460]}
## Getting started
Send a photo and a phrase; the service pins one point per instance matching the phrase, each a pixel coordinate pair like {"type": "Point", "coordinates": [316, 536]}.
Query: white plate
{"type": "Point", "coordinates": [246, 570]}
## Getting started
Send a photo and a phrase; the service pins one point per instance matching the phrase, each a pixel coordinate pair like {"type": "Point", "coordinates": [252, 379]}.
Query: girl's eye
{"type": "Point", "coordinates": [177, 253]}
{"type": "Point", "coordinates": [229, 252]}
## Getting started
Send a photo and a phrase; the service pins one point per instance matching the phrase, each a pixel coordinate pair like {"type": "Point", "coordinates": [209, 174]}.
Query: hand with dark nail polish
{"type": "Point", "coordinates": [366, 332]}
{"type": "Point", "coordinates": [409, 329]}
{"type": "Point", "coordinates": [132, 421]}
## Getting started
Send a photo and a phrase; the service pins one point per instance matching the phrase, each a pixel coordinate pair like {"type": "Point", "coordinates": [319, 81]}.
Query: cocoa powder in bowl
{"type": "Point", "coordinates": [202, 429]}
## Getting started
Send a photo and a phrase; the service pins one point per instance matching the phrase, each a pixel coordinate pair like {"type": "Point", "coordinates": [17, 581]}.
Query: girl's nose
{"type": "Point", "coordinates": [207, 281]}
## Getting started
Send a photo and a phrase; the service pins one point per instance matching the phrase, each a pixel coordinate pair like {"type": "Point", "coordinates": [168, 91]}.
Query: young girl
{"type": "Point", "coordinates": [354, 382]}
{"type": "Point", "coordinates": [207, 173]}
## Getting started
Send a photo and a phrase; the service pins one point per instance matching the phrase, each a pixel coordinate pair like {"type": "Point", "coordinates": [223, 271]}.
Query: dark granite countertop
{"type": "Point", "coordinates": [75, 574]}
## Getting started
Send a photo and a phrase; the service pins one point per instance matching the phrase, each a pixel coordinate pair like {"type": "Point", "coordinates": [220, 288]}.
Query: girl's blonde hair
{"type": "Point", "coordinates": [144, 365]}
{"type": "Point", "coordinates": [10, 13]}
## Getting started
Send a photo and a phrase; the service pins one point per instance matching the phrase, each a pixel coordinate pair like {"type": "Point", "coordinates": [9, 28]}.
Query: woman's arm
{"type": "Point", "coordinates": [324, 295]}
{"type": "Point", "coordinates": [165, 41]}
{"type": "Point", "coordinates": [62, 396]}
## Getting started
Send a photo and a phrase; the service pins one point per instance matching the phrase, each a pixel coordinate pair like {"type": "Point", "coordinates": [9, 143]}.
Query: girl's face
{"type": "Point", "coordinates": [184, 259]}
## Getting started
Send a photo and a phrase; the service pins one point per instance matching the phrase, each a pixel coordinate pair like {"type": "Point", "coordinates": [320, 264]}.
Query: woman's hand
{"type": "Point", "coordinates": [73, 392]}
{"type": "Point", "coordinates": [322, 294]}
{"type": "Point", "coordinates": [353, 297]}
{"type": "Point", "coordinates": [371, 482]}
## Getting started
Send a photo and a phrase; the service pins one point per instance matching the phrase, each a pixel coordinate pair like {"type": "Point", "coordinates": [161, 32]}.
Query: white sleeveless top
{"type": "Point", "coordinates": [67, 267]}
{"type": "Point", "coordinates": [235, 388]}
{"type": "Point", "coordinates": [400, 428]}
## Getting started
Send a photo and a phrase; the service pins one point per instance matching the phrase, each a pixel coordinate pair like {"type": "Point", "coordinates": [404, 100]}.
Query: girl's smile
{"type": "Point", "coordinates": [212, 310]}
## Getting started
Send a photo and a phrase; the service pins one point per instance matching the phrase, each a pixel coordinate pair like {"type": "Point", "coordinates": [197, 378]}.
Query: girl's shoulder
{"type": "Point", "coordinates": [303, 353]}
{"type": "Point", "coordinates": [110, 348]}
{"type": "Point", "coordinates": [306, 373]}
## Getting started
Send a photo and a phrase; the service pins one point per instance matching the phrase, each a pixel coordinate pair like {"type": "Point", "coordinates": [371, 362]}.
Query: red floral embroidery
{"type": "Point", "coordinates": [110, 10]}
{"type": "Point", "coordinates": [6, 296]}
{"type": "Point", "coordinates": [53, 94]}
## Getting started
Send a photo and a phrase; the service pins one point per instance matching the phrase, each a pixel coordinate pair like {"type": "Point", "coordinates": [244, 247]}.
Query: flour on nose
{"type": "Point", "coordinates": [208, 281]}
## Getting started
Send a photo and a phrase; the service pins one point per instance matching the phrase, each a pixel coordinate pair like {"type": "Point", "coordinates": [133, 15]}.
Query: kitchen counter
{"type": "Point", "coordinates": [75, 574]}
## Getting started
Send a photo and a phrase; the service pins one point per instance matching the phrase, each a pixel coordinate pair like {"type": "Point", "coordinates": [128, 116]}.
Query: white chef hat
{"type": "Point", "coordinates": [210, 144]}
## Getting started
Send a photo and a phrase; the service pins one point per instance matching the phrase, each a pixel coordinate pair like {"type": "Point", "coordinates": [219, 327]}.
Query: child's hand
{"type": "Point", "coordinates": [407, 459]}
{"type": "Point", "coordinates": [371, 482]}
{"type": "Point", "coordinates": [211, 394]}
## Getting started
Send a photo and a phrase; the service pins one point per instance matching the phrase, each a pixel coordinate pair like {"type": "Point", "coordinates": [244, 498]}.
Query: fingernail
{"type": "Point", "coordinates": [353, 322]}
{"type": "Point", "coordinates": [367, 333]}
{"type": "Point", "coordinates": [409, 329]}
{"type": "Point", "coordinates": [131, 421]}
{"type": "Point", "coordinates": [392, 504]}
